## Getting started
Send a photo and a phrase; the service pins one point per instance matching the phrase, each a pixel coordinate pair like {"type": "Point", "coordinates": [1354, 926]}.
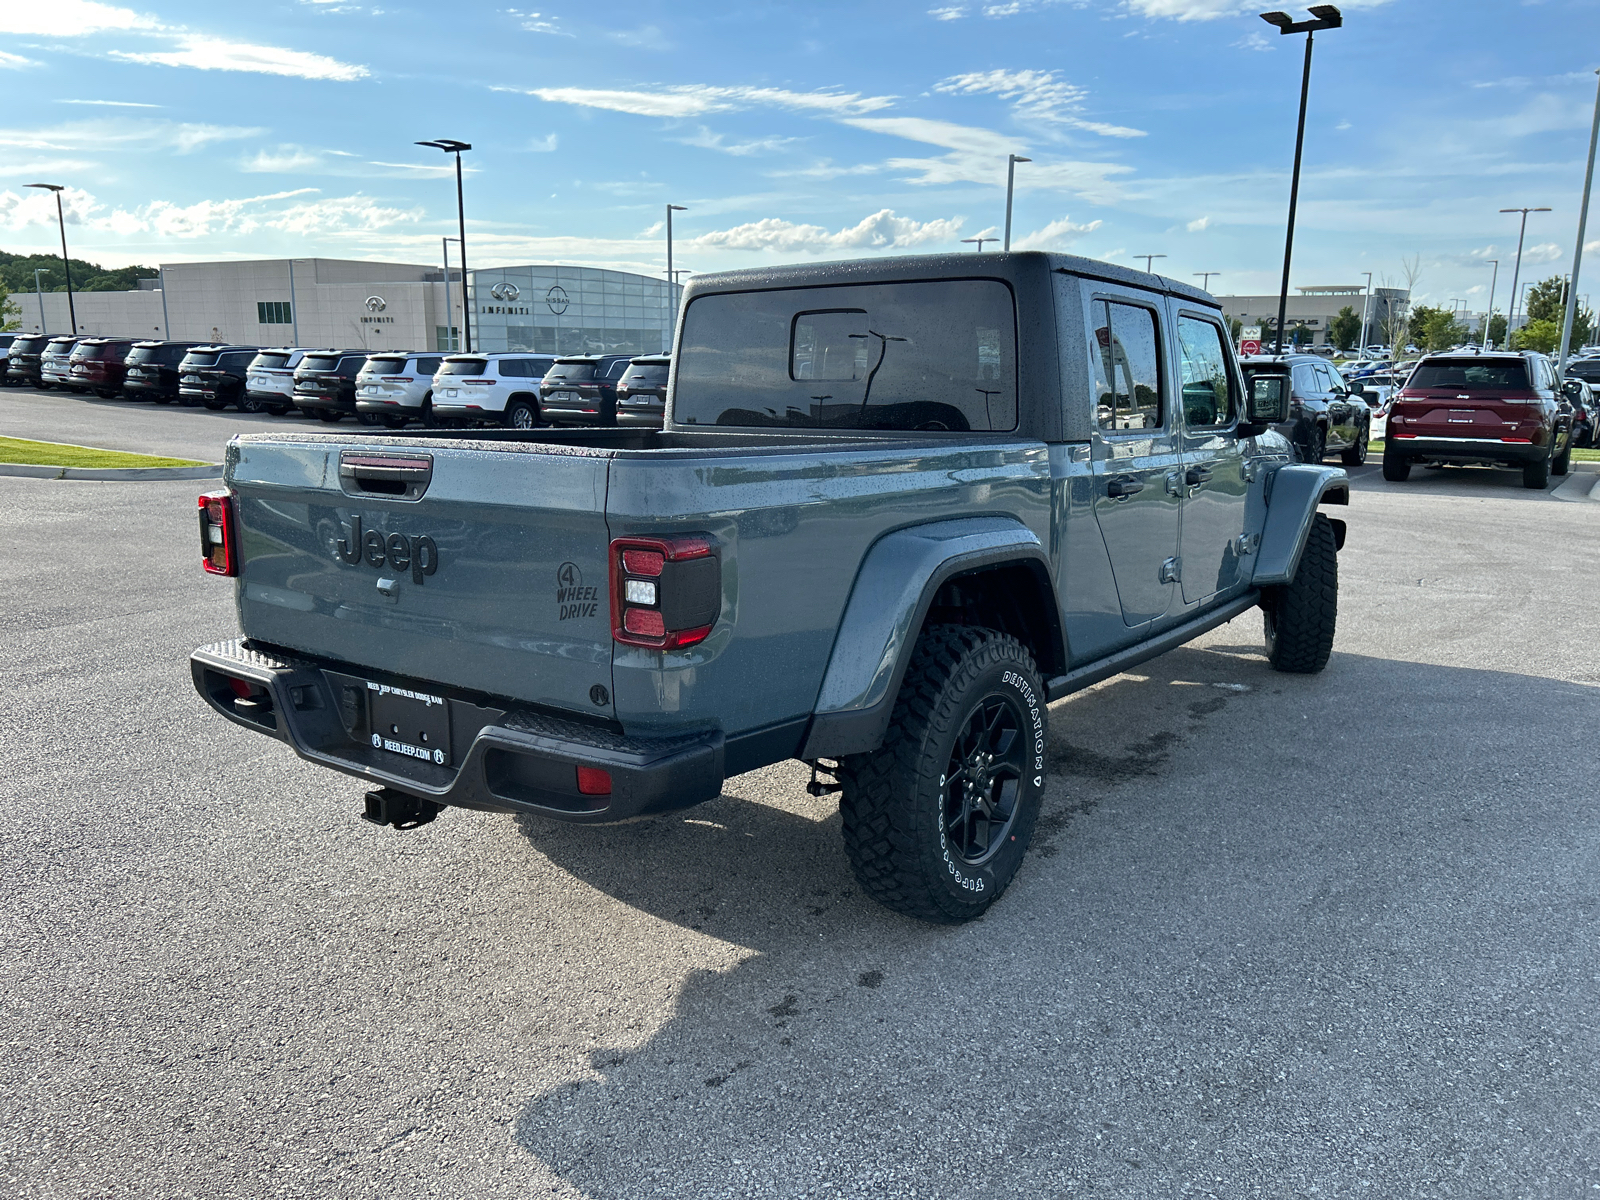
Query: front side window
{"type": "Point", "coordinates": [1127, 368]}
{"type": "Point", "coordinates": [1208, 395]}
{"type": "Point", "coordinates": [939, 355]}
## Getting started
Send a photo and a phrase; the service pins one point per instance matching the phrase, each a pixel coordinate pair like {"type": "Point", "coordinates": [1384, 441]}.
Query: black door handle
{"type": "Point", "coordinates": [1123, 485]}
{"type": "Point", "coordinates": [1197, 475]}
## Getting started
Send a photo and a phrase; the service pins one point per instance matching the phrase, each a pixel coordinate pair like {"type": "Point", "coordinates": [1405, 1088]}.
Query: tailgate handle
{"type": "Point", "coordinates": [398, 476]}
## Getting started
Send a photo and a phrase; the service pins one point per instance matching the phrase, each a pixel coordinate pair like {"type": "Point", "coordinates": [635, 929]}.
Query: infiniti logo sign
{"type": "Point", "coordinates": [505, 291]}
{"type": "Point", "coordinates": [376, 304]}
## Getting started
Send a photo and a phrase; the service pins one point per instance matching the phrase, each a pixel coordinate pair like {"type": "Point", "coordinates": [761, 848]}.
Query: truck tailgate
{"type": "Point", "coordinates": [473, 567]}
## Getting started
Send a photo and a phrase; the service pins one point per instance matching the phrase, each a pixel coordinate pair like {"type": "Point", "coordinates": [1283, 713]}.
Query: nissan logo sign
{"type": "Point", "coordinates": [556, 298]}
{"type": "Point", "coordinates": [505, 291]}
{"type": "Point", "coordinates": [376, 304]}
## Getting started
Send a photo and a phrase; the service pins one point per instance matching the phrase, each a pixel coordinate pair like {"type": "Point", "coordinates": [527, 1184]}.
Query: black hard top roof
{"type": "Point", "coordinates": [951, 265]}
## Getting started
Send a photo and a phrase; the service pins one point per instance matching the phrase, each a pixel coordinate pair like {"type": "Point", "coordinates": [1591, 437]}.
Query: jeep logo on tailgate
{"type": "Point", "coordinates": [419, 555]}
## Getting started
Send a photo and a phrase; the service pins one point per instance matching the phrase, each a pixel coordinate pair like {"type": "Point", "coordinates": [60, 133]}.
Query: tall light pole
{"type": "Point", "coordinates": [1205, 279]}
{"type": "Point", "coordinates": [39, 295]}
{"type": "Point", "coordinates": [1489, 315]}
{"type": "Point", "coordinates": [1366, 307]}
{"type": "Point", "coordinates": [672, 279]}
{"type": "Point", "coordinates": [449, 308]}
{"type": "Point", "coordinates": [980, 241]}
{"type": "Point", "coordinates": [1577, 250]}
{"type": "Point", "coordinates": [1511, 318]}
{"type": "Point", "coordinates": [1327, 17]}
{"type": "Point", "coordinates": [72, 312]}
{"type": "Point", "coordinates": [1011, 180]}
{"type": "Point", "coordinates": [1148, 259]}
{"type": "Point", "coordinates": [451, 146]}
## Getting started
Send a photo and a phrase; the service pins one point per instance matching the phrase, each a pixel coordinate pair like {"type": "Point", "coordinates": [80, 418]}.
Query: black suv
{"type": "Point", "coordinates": [213, 375]}
{"type": "Point", "coordinates": [642, 392]}
{"type": "Point", "coordinates": [1324, 414]}
{"type": "Point", "coordinates": [581, 389]}
{"type": "Point", "coordinates": [22, 364]}
{"type": "Point", "coordinates": [325, 384]}
{"type": "Point", "coordinates": [153, 370]}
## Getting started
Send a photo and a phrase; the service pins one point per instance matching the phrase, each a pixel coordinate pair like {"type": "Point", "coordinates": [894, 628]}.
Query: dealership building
{"type": "Point", "coordinates": [1316, 308]}
{"type": "Point", "coordinates": [376, 306]}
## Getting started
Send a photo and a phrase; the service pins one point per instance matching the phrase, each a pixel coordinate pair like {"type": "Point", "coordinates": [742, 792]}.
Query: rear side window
{"type": "Point", "coordinates": [239, 361]}
{"type": "Point", "coordinates": [907, 356]}
{"type": "Point", "coordinates": [1503, 374]}
{"type": "Point", "coordinates": [516, 368]}
{"type": "Point", "coordinates": [1127, 368]}
{"type": "Point", "coordinates": [1305, 380]}
{"type": "Point", "coordinates": [427, 366]}
{"type": "Point", "coordinates": [352, 366]}
{"type": "Point", "coordinates": [1208, 394]}
{"type": "Point", "coordinates": [617, 368]}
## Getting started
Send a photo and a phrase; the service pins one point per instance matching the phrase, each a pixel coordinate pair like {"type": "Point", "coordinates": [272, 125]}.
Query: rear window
{"type": "Point", "coordinates": [909, 356]}
{"type": "Point", "coordinates": [570, 372]}
{"type": "Point", "coordinates": [1506, 374]}
{"type": "Point", "coordinates": [83, 352]}
{"type": "Point", "coordinates": [385, 366]}
{"type": "Point", "coordinates": [143, 354]}
{"type": "Point", "coordinates": [270, 362]}
{"type": "Point", "coordinates": [7, 340]}
{"type": "Point", "coordinates": [59, 349]}
{"type": "Point", "coordinates": [320, 362]}
{"type": "Point", "coordinates": [28, 345]}
{"type": "Point", "coordinates": [646, 375]}
{"type": "Point", "coordinates": [205, 359]}
{"type": "Point", "coordinates": [463, 366]}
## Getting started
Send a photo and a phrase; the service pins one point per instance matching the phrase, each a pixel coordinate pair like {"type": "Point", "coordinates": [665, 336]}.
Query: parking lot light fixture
{"type": "Point", "coordinates": [1011, 180]}
{"type": "Point", "coordinates": [1324, 16]}
{"type": "Point", "coordinates": [1148, 259]}
{"type": "Point", "coordinates": [1516, 272]}
{"type": "Point", "coordinates": [1577, 251]}
{"type": "Point", "coordinates": [72, 312]}
{"type": "Point", "coordinates": [672, 277]}
{"type": "Point", "coordinates": [1205, 279]}
{"type": "Point", "coordinates": [39, 295]}
{"type": "Point", "coordinates": [451, 146]}
{"type": "Point", "coordinates": [1366, 307]}
{"type": "Point", "coordinates": [979, 240]}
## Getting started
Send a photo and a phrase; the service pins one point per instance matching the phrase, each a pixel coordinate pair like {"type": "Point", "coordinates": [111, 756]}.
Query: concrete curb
{"type": "Point", "coordinates": [126, 474]}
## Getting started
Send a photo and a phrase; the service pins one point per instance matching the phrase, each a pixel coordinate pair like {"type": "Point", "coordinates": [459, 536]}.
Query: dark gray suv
{"type": "Point", "coordinates": [1324, 414]}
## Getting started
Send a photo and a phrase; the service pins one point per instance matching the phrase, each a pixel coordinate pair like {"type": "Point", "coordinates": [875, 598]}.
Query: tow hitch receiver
{"type": "Point", "coordinates": [387, 806]}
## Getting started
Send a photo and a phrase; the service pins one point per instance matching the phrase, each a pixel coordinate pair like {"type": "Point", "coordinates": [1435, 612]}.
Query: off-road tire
{"type": "Point", "coordinates": [1299, 616]}
{"type": "Point", "coordinates": [1560, 464]}
{"type": "Point", "coordinates": [1316, 446]}
{"type": "Point", "coordinates": [393, 420]}
{"type": "Point", "coordinates": [279, 410]}
{"type": "Point", "coordinates": [1396, 467]}
{"type": "Point", "coordinates": [893, 799]}
{"type": "Point", "coordinates": [330, 415]}
{"type": "Point", "coordinates": [1354, 456]}
{"type": "Point", "coordinates": [1537, 474]}
{"type": "Point", "coordinates": [215, 404]}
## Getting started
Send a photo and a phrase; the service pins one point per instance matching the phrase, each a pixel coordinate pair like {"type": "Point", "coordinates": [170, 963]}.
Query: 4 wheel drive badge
{"type": "Point", "coordinates": [419, 555]}
{"type": "Point", "coordinates": [505, 291]}
{"type": "Point", "coordinates": [376, 304]}
{"type": "Point", "coordinates": [556, 299]}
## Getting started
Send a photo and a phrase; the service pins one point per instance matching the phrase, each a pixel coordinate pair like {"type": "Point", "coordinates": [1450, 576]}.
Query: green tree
{"type": "Point", "coordinates": [1541, 335]}
{"type": "Point", "coordinates": [1417, 324]}
{"type": "Point", "coordinates": [16, 274]}
{"type": "Point", "coordinates": [1442, 331]}
{"type": "Point", "coordinates": [10, 314]}
{"type": "Point", "coordinates": [1300, 335]}
{"type": "Point", "coordinates": [1547, 299]}
{"type": "Point", "coordinates": [1345, 328]}
{"type": "Point", "coordinates": [1497, 330]}
{"type": "Point", "coordinates": [1235, 327]}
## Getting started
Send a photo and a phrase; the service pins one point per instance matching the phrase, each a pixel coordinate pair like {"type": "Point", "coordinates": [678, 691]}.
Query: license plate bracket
{"type": "Point", "coordinates": [409, 722]}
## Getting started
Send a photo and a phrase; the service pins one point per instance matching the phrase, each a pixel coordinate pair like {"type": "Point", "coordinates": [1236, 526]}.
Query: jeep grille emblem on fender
{"type": "Point", "coordinates": [556, 298]}
{"type": "Point", "coordinates": [505, 291]}
{"type": "Point", "coordinates": [376, 304]}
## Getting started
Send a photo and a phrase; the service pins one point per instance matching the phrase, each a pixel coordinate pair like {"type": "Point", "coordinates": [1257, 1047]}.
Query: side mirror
{"type": "Point", "coordinates": [1267, 404]}
{"type": "Point", "coordinates": [1572, 389]}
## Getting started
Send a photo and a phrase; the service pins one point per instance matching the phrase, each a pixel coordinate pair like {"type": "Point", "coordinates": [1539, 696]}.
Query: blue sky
{"type": "Point", "coordinates": [821, 130]}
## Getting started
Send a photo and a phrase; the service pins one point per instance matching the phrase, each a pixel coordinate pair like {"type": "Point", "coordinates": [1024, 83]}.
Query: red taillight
{"type": "Point", "coordinates": [216, 534]}
{"type": "Point", "coordinates": [665, 592]}
{"type": "Point", "coordinates": [592, 781]}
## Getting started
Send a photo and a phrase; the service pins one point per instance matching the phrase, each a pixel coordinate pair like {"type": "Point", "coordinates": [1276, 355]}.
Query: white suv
{"type": "Point", "coordinates": [269, 381]}
{"type": "Point", "coordinates": [499, 388]}
{"type": "Point", "coordinates": [396, 388]}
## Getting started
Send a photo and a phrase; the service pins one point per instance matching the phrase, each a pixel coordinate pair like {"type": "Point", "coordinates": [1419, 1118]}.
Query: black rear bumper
{"type": "Point", "coordinates": [1468, 450]}
{"type": "Point", "coordinates": [502, 759]}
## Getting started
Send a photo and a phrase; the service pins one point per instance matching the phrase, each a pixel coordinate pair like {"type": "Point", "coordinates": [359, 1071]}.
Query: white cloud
{"type": "Point", "coordinates": [968, 139]}
{"type": "Point", "coordinates": [1011, 9]}
{"type": "Point", "coordinates": [544, 145]}
{"type": "Point", "coordinates": [111, 103]}
{"type": "Point", "coordinates": [1211, 10]}
{"type": "Point", "coordinates": [1198, 225]}
{"type": "Point", "coordinates": [1038, 95]}
{"type": "Point", "coordinates": [1256, 41]}
{"type": "Point", "coordinates": [69, 18]}
{"type": "Point", "coordinates": [883, 230]}
{"type": "Point", "coordinates": [344, 214]}
{"type": "Point", "coordinates": [698, 99]}
{"type": "Point", "coordinates": [538, 23]}
{"type": "Point", "coordinates": [15, 61]}
{"type": "Point", "coordinates": [1058, 235]}
{"type": "Point", "coordinates": [953, 13]}
{"type": "Point", "coordinates": [218, 54]}
{"type": "Point", "coordinates": [97, 134]}
{"type": "Point", "coordinates": [706, 140]}
{"type": "Point", "coordinates": [1544, 252]}
{"type": "Point", "coordinates": [282, 160]}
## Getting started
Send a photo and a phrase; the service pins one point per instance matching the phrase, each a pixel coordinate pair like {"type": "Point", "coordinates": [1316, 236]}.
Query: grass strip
{"type": "Point", "coordinates": [25, 452]}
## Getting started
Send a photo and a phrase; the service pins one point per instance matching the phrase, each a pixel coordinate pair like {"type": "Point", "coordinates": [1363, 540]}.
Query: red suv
{"type": "Point", "coordinates": [97, 364]}
{"type": "Point", "coordinates": [1494, 409]}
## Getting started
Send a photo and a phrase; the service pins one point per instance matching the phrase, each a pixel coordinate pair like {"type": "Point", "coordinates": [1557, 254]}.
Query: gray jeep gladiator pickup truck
{"type": "Point", "coordinates": [896, 508]}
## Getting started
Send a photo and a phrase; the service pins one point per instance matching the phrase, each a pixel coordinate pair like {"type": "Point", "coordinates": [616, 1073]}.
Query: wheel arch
{"type": "Point", "coordinates": [1295, 493]}
{"type": "Point", "coordinates": [983, 570]}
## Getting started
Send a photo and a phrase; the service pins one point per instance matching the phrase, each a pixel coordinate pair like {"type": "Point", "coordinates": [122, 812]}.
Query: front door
{"type": "Point", "coordinates": [1135, 459]}
{"type": "Point", "coordinates": [1214, 482]}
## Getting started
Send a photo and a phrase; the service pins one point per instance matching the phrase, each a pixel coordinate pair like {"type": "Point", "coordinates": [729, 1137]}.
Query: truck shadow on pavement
{"type": "Point", "coordinates": [1229, 955]}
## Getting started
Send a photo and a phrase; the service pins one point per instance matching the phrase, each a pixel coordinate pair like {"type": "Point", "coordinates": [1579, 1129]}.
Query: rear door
{"type": "Point", "coordinates": [1134, 452]}
{"type": "Point", "coordinates": [1215, 486]}
{"type": "Point", "coordinates": [479, 570]}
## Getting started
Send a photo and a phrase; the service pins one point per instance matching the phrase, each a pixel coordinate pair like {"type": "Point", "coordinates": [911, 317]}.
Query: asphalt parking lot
{"type": "Point", "coordinates": [1278, 936]}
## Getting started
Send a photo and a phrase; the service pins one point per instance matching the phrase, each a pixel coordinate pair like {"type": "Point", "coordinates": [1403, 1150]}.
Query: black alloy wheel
{"type": "Point", "coordinates": [984, 779]}
{"type": "Point", "coordinates": [521, 415]}
{"type": "Point", "coordinates": [249, 403]}
{"type": "Point", "coordinates": [1315, 448]}
{"type": "Point", "coordinates": [1356, 454]}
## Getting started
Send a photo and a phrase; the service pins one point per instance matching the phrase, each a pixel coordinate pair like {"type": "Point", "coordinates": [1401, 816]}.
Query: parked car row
{"type": "Point", "coordinates": [393, 388]}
